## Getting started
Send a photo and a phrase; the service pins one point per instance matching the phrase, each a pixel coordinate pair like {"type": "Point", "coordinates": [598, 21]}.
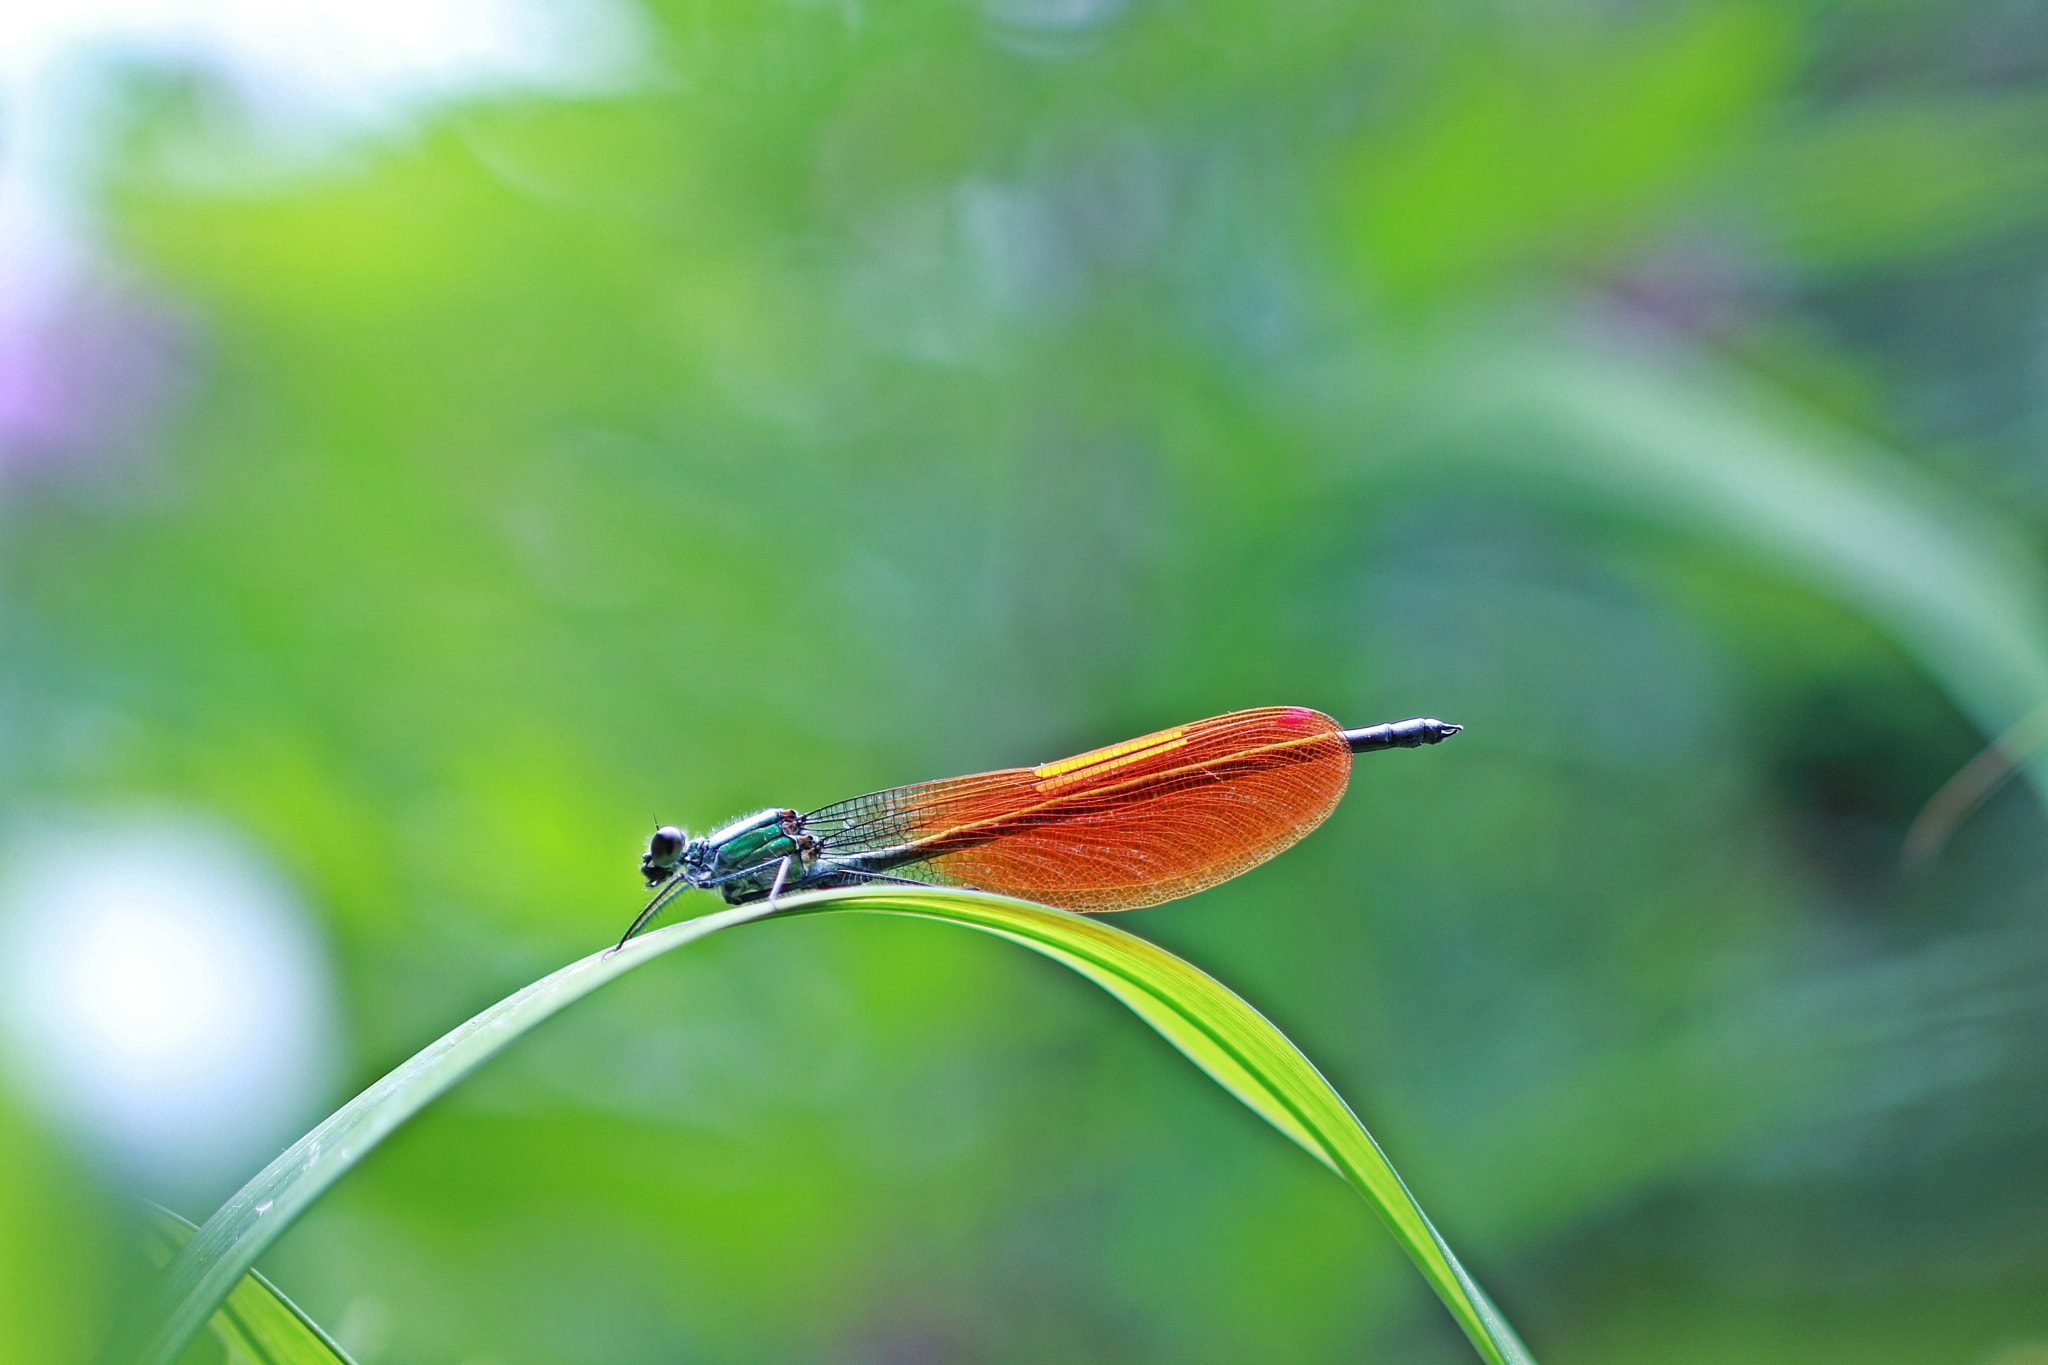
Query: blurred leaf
{"type": "Point", "coordinates": [1613, 416]}
{"type": "Point", "coordinates": [54, 1289]}
{"type": "Point", "coordinates": [1698, 444]}
{"type": "Point", "coordinates": [257, 1325]}
{"type": "Point", "coordinates": [1523, 150]}
{"type": "Point", "coordinates": [1216, 1030]}
{"type": "Point", "coordinates": [1830, 190]}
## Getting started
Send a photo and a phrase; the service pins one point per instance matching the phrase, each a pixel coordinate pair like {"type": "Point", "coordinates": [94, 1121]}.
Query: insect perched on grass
{"type": "Point", "coordinates": [1132, 824]}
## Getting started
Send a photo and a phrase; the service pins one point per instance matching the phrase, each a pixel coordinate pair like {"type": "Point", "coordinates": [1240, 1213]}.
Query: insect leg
{"type": "Point", "coordinates": [738, 873]}
{"type": "Point", "coordinates": [877, 877]}
{"type": "Point", "coordinates": [662, 897]}
{"type": "Point", "coordinates": [781, 876]}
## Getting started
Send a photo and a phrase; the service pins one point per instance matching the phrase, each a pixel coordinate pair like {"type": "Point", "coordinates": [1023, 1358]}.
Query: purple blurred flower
{"type": "Point", "coordinates": [90, 372]}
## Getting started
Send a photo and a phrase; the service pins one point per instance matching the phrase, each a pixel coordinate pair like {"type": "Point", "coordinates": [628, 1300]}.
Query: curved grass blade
{"type": "Point", "coordinates": [1950, 577]}
{"type": "Point", "coordinates": [1242, 1052]}
{"type": "Point", "coordinates": [227, 1246]}
{"type": "Point", "coordinates": [1660, 430]}
{"type": "Point", "coordinates": [1215, 1029]}
{"type": "Point", "coordinates": [1971, 786]}
{"type": "Point", "coordinates": [257, 1325]}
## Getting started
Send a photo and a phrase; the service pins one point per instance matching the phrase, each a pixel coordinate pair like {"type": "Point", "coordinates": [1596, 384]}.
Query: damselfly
{"type": "Point", "coordinates": [1132, 824]}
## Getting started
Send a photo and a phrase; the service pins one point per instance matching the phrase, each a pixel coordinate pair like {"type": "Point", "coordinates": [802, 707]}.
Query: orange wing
{"type": "Point", "coordinates": [1136, 823]}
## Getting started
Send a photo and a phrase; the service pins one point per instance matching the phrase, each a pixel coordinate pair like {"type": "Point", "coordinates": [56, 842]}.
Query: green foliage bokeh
{"type": "Point", "coordinates": [881, 393]}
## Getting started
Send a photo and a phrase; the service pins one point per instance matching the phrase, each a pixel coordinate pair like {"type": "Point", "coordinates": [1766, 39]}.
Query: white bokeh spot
{"type": "Point", "coordinates": [164, 998]}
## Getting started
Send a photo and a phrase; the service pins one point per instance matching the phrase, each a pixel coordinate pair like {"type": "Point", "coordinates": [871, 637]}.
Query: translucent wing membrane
{"type": "Point", "coordinates": [1136, 823]}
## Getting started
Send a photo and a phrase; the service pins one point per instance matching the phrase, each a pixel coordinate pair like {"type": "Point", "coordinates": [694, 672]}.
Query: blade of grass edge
{"type": "Point", "coordinates": [256, 1324]}
{"type": "Point", "coordinates": [1669, 431]}
{"type": "Point", "coordinates": [1214, 1028]}
{"type": "Point", "coordinates": [1589, 408]}
{"type": "Point", "coordinates": [1243, 1052]}
{"type": "Point", "coordinates": [229, 1242]}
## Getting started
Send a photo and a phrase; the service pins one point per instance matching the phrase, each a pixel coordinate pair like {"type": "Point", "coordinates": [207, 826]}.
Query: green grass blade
{"type": "Point", "coordinates": [1671, 434]}
{"type": "Point", "coordinates": [1240, 1049]}
{"type": "Point", "coordinates": [208, 1266]}
{"type": "Point", "coordinates": [257, 1325]}
{"type": "Point", "coordinates": [1218, 1031]}
{"type": "Point", "coordinates": [1954, 579]}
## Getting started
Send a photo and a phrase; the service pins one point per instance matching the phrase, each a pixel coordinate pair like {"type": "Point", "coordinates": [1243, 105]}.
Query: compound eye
{"type": "Point", "coordinates": [665, 844]}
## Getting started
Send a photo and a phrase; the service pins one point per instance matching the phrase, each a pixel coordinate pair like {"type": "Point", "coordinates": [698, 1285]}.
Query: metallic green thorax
{"type": "Point", "coordinates": [761, 839]}
{"type": "Point", "coordinates": [741, 860]}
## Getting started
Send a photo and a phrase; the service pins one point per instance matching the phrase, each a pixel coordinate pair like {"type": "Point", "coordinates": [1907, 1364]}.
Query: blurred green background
{"type": "Point", "coordinates": [850, 394]}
